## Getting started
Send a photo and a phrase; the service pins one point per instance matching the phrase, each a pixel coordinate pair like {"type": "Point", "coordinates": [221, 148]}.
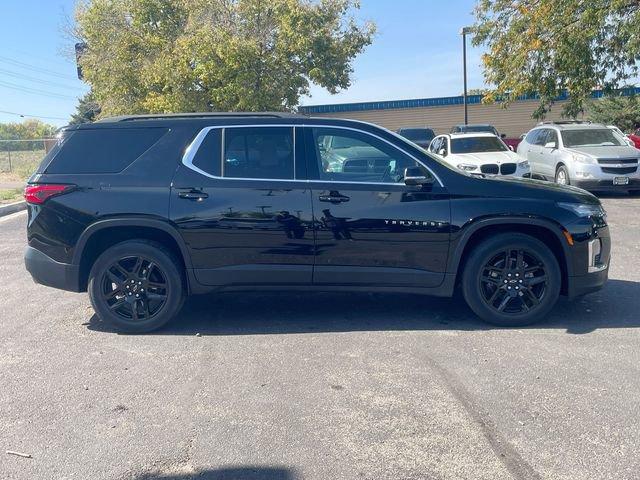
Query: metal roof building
{"type": "Point", "coordinates": [444, 112]}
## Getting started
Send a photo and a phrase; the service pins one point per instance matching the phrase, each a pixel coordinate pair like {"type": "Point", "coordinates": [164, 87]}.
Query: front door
{"type": "Point", "coordinates": [243, 214]}
{"type": "Point", "coordinates": [370, 227]}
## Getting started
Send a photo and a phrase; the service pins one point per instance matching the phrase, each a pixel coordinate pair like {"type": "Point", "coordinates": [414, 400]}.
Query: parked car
{"type": "Point", "coordinates": [590, 156]}
{"type": "Point", "coordinates": [635, 138]}
{"type": "Point", "coordinates": [479, 153]}
{"type": "Point", "coordinates": [475, 128]}
{"type": "Point", "coordinates": [141, 211]}
{"type": "Point", "coordinates": [620, 133]}
{"type": "Point", "coordinates": [419, 136]}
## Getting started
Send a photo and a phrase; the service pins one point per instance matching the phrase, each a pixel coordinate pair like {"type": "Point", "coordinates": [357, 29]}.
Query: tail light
{"type": "Point", "coordinates": [40, 193]}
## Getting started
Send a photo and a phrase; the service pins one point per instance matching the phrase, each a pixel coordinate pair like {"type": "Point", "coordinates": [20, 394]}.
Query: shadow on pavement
{"type": "Point", "coordinates": [259, 313]}
{"type": "Point", "coordinates": [229, 473]}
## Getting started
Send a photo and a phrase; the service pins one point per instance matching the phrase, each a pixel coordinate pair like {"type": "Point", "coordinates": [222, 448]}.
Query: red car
{"type": "Point", "coordinates": [635, 138]}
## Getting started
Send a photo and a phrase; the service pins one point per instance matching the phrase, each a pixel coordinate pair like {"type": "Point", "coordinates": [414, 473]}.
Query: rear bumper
{"type": "Point", "coordinates": [46, 271]}
{"type": "Point", "coordinates": [589, 283]}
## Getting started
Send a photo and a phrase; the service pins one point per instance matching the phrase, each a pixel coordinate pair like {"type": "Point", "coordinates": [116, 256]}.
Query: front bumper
{"type": "Point", "coordinates": [607, 185]}
{"type": "Point", "coordinates": [46, 271]}
{"type": "Point", "coordinates": [588, 283]}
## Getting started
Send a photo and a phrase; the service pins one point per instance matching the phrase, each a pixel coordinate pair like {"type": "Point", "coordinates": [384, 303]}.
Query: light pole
{"type": "Point", "coordinates": [464, 31]}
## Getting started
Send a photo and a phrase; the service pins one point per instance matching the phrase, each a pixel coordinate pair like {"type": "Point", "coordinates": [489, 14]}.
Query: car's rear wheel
{"type": "Point", "coordinates": [511, 279]}
{"type": "Point", "coordinates": [136, 286]}
{"type": "Point", "coordinates": [562, 176]}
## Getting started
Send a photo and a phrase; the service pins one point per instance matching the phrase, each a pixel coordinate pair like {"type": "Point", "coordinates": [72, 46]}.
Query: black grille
{"type": "Point", "coordinates": [617, 161]}
{"type": "Point", "coordinates": [507, 168]}
{"type": "Point", "coordinates": [619, 171]}
{"type": "Point", "coordinates": [490, 169]}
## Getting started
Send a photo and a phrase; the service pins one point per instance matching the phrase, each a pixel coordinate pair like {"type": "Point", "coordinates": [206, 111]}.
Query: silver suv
{"type": "Point", "coordinates": [587, 155]}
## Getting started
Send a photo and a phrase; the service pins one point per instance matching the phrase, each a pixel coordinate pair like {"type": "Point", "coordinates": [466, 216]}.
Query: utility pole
{"type": "Point", "coordinates": [464, 31]}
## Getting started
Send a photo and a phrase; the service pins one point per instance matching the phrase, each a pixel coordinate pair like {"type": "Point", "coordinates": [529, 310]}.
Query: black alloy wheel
{"type": "Point", "coordinates": [136, 286]}
{"type": "Point", "coordinates": [511, 279]}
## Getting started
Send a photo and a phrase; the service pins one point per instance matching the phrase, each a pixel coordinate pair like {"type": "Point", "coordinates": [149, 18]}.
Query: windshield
{"type": "Point", "coordinates": [590, 138]}
{"type": "Point", "coordinates": [477, 145]}
{"type": "Point", "coordinates": [417, 133]}
{"type": "Point", "coordinates": [479, 129]}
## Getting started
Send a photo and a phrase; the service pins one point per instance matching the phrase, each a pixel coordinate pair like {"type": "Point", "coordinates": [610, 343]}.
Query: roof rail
{"type": "Point", "coordinates": [196, 115]}
{"type": "Point", "coordinates": [564, 122]}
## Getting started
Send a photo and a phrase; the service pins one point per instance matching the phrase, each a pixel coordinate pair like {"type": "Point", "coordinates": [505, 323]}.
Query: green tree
{"type": "Point", "coordinates": [621, 111]}
{"type": "Point", "coordinates": [86, 111]}
{"type": "Point", "coordinates": [204, 55]}
{"type": "Point", "coordinates": [27, 130]}
{"type": "Point", "coordinates": [550, 46]}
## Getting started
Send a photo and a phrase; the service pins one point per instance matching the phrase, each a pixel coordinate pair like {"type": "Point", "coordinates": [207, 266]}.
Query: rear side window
{"type": "Point", "coordinates": [103, 150]}
{"type": "Point", "coordinates": [259, 152]}
{"type": "Point", "coordinates": [531, 136]}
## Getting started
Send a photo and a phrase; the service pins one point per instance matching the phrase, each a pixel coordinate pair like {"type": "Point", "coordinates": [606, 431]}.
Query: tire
{"type": "Point", "coordinates": [136, 286]}
{"type": "Point", "coordinates": [533, 281]}
{"type": "Point", "coordinates": [562, 176]}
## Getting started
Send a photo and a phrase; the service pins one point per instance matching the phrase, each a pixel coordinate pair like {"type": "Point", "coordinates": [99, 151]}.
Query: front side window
{"type": "Point", "coordinates": [258, 152]}
{"type": "Point", "coordinates": [477, 145]}
{"type": "Point", "coordinates": [590, 138]}
{"type": "Point", "coordinates": [360, 158]}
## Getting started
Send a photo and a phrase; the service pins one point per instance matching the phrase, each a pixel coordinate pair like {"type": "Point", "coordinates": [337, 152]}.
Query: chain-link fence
{"type": "Point", "coordinates": [21, 157]}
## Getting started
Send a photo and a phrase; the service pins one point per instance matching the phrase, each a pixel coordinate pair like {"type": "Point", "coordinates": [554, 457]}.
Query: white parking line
{"type": "Point", "coordinates": [12, 215]}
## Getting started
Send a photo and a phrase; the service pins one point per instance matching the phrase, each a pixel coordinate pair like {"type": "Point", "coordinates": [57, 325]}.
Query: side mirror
{"type": "Point", "coordinates": [551, 145]}
{"type": "Point", "coordinates": [503, 135]}
{"type": "Point", "coordinates": [415, 176]}
{"type": "Point", "coordinates": [442, 152]}
{"type": "Point", "coordinates": [511, 148]}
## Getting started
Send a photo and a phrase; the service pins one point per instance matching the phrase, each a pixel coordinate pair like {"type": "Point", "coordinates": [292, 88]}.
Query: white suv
{"type": "Point", "coordinates": [590, 156]}
{"type": "Point", "coordinates": [479, 153]}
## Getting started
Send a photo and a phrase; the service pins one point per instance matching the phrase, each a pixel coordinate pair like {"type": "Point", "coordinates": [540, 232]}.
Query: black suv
{"type": "Point", "coordinates": [144, 210]}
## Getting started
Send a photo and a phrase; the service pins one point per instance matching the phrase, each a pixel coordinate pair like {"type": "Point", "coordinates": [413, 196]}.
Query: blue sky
{"type": "Point", "coordinates": [416, 54]}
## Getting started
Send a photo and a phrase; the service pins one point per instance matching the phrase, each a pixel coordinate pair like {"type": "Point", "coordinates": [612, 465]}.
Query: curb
{"type": "Point", "coordinates": [12, 208]}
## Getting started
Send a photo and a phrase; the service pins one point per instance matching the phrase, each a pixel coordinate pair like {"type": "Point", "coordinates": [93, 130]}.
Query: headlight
{"type": "Point", "coordinates": [523, 164]}
{"type": "Point", "coordinates": [467, 167]}
{"type": "Point", "coordinates": [582, 158]}
{"type": "Point", "coordinates": [584, 209]}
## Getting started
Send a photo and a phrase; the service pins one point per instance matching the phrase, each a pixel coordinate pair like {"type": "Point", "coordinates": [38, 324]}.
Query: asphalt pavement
{"type": "Point", "coordinates": [322, 386]}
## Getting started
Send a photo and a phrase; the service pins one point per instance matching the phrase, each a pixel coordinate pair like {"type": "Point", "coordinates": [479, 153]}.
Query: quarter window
{"type": "Point", "coordinates": [263, 152]}
{"type": "Point", "coordinates": [350, 156]}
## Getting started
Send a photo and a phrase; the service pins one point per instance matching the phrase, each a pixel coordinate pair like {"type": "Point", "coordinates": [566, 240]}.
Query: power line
{"type": "Point", "coordinates": [34, 68]}
{"type": "Point", "coordinates": [34, 79]}
{"type": "Point", "coordinates": [23, 115]}
{"type": "Point", "coordinates": [35, 91]}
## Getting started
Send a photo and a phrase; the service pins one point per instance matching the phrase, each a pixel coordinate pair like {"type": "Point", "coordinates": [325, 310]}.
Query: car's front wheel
{"type": "Point", "coordinates": [511, 279]}
{"type": "Point", "coordinates": [562, 176]}
{"type": "Point", "coordinates": [136, 286]}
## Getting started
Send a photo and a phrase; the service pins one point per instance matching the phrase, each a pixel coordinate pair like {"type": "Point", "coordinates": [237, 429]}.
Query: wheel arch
{"type": "Point", "coordinates": [544, 230]}
{"type": "Point", "coordinates": [99, 236]}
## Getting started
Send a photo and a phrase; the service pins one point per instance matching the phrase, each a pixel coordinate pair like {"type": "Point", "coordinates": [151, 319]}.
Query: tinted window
{"type": "Point", "coordinates": [531, 137]}
{"type": "Point", "coordinates": [264, 152]}
{"type": "Point", "coordinates": [435, 145]}
{"type": "Point", "coordinates": [419, 134]}
{"type": "Point", "coordinates": [477, 145]}
{"type": "Point", "coordinates": [478, 129]}
{"type": "Point", "coordinates": [552, 136]}
{"type": "Point", "coordinates": [103, 150]}
{"type": "Point", "coordinates": [207, 158]}
{"type": "Point", "coordinates": [590, 138]}
{"type": "Point", "coordinates": [362, 158]}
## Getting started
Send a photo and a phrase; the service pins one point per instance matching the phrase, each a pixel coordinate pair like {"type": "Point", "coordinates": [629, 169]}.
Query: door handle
{"type": "Point", "coordinates": [193, 195]}
{"type": "Point", "coordinates": [334, 198]}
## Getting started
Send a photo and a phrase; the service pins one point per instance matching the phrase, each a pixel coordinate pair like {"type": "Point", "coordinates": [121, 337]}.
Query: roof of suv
{"type": "Point", "coordinates": [470, 134]}
{"type": "Point", "coordinates": [200, 115]}
{"type": "Point", "coordinates": [572, 125]}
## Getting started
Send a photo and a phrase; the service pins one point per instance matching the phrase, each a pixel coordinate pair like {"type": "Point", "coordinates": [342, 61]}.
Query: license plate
{"type": "Point", "coordinates": [621, 181]}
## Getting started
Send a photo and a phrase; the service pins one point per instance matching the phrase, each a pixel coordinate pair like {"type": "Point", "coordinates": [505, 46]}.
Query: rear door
{"type": "Point", "coordinates": [241, 204]}
{"type": "Point", "coordinates": [372, 229]}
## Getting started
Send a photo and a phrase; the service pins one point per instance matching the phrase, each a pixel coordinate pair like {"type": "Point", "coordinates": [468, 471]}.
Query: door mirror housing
{"type": "Point", "coordinates": [442, 152]}
{"type": "Point", "coordinates": [511, 148]}
{"type": "Point", "coordinates": [551, 145]}
{"type": "Point", "coordinates": [416, 176]}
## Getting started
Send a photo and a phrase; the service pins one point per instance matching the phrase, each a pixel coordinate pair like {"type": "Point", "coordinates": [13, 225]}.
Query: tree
{"type": "Point", "coordinates": [204, 55]}
{"type": "Point", "coordinates": [86, 111]}
{"type": "Point", "coordinates": [621, 111]}
{"type": "Point", "coordinates": [548, 47]}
